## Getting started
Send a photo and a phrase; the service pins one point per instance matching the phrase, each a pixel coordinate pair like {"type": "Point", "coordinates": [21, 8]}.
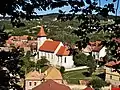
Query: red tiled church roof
{"type": "Point", "coordinates": [63, 51]}
{"type": "Point", "coordinates": [41, 32]}
{"type": "Point", "coordinates": [51, 85]}
{"type": "Point", "coordinates": [49, 46]}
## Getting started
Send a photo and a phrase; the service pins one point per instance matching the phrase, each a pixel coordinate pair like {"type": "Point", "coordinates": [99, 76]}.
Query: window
{"type": "Point", "coordinates": [41, 54]}
{"type": "Point", "coordinates": [48, 55]}
{"type": "Point", "coordinates": [93, 56]}
{"type": "Point", "coordinates": [38, 54]}
{"type": "Point", "coordinates": [30, 83]}
{"type": "Point", "coordinates": [97, 55]}
{"type": "Point", "coordinates": [52, 56]}
{"type": "Point", "coordinates": [58, 58]}
{"type": "Point", "coordinates": [61, 59]}
{"type": "Point", "coordinates": [110, 77]}
{"type": "Point", "coordinates": [34, 83]}
{"type": "Point", "coordinates": [65, 59]}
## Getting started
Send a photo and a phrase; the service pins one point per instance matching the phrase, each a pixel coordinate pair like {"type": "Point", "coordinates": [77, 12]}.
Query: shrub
{"type": "Point", "coordinates": [62, 69]}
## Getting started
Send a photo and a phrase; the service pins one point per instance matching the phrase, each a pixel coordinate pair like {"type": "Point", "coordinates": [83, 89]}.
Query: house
{"type": "Point", "coordinates": [33, 79]}
{"type": "Point", "coordinates": [54, 74]}
{"type": "Point", "coordinates": [55, 51]}
{"type": "Point", "coordinates": [51, 85]}
{"type": "Point", "coordinates": [97, 49]}
{"type": "Point", "coordinates": [27, 43]}
{"type": "Point", "coordinates": [112, 75]}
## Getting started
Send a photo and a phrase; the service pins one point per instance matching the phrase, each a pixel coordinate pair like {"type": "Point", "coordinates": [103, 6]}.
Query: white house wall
{"type": "Point", "coordinates": [102, 52]}
{"type": "Point", "coordinates": [67, 64]}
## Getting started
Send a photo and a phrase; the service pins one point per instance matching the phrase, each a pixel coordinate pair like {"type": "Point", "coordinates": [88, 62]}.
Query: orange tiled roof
{"type": "Point", "coordinates": [51, 85]}
{"type": "Point", "coordinates": [49, 46]}
{"type": "Point", "coordinates": [34, 75]}
{"type": "Point", "coordinates": [112, 63]}
{"type": "Point", "coordinates": [63, 51]}
{"type": "Point", "coordinates": [96, 46]}
{"type": "Point", "coordinates": [41, 32]}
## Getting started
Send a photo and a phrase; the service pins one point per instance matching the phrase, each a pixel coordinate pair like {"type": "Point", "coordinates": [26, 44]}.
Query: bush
{"type": "Point", "coordinates": [98, 83]}
{"type": "Point", "coordinates": [62, 69]}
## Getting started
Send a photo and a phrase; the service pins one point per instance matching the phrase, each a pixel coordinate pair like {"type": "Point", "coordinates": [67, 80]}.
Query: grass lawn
{"type": "Point", "coordinates": [73, 77]}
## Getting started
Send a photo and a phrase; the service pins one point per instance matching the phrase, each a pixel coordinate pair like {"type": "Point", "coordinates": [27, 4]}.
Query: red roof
{"type": "Point", "coordinates": [115, 88]}
{"type": "Point", "coordinates": [41, 32]}
{"type": "Point", "coordinates": [51, 85]}
{"type": "Point", "coordinates": [49, 46]}
{"type": "Point", "coordinates": [63, 51]}
{"type": "Point", "coordinates": [112, 63]}
{"type": "Point", "coordinates": [97, 48]}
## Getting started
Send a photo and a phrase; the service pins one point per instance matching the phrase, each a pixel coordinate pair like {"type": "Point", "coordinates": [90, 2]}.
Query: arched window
{"type": "Point", "coordinates": [65, 59]}
{"type": "Point", "coordinates": [48, 55]}
{"type": "Point", "coordinates": [52, 56]}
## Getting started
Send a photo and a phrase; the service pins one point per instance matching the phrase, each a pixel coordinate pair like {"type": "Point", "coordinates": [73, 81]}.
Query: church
{"type": "Point", "coordinates": [55, 52]}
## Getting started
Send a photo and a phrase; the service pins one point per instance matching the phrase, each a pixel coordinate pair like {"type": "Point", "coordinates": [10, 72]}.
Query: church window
{"type": "Point", "coordinates": [61, 59]}
{"type": "Point", "coordinates": [52, 56]}
{"type": "Point", "coordinates": [41, 53]}
{"type": "Point", "coordinates": [65, 59]}
{"type": "Point", "coordinates": [58, 58]}
{"type": "Point", "coordinates": [48, 55]}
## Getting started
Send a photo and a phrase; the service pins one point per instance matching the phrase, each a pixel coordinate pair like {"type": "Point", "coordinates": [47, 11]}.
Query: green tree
{"type": "Point", "coordinates": [80, 59]}
{"type": "Point", "coordinates": [62, 69]}
{"type": "Point", "coordinates": [42, 62]}
{"type": "Point", "coordinates": [91, 64]}
{"type": "Point", "coordinates": [97, 83]}
{"type": "Point", "coordinates": [28, 65]}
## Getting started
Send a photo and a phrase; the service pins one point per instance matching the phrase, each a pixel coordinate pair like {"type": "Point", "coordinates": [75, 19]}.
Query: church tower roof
{"type": "Point", "coordinates": [41, 32]}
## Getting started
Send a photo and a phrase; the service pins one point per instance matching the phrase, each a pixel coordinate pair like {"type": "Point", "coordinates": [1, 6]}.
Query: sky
{"type": "Point", "coordinates": [67, 8]}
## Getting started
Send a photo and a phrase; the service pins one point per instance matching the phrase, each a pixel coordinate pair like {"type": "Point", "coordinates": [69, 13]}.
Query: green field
{"type": "Point", "coordinates": [73, 77]}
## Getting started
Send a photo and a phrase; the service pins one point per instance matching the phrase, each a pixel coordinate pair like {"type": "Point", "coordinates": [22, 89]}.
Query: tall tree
{"type": "Point", "coordinates": [27, 65]}
{"type": "Point", "coordinates": [80, 59]}
{"type": "Point", "coordinates": [91, 64]}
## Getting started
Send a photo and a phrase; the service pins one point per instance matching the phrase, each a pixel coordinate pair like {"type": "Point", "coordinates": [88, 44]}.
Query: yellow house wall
{"type": "Point", "coordinates": [115, 76]}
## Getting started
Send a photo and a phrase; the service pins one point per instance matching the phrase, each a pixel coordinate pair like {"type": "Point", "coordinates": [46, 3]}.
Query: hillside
{"type": "Point", "coordinates": [55, 29]}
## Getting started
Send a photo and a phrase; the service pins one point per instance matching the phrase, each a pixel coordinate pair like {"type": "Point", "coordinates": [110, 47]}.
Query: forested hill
{"type": "Point", "coordinates": [55, 29]}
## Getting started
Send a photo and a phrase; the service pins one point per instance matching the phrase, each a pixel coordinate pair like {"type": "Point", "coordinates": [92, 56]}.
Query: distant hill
{"type": "Point", "coordinates": [55, 29]}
